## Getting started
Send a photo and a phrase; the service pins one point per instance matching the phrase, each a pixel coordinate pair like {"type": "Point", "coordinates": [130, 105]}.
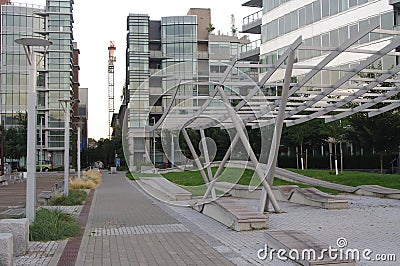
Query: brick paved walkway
{"type": "Point", "coordinates": [125, 227]}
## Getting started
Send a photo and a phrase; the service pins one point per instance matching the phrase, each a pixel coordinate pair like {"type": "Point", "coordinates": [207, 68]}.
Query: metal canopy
{"type": "Point", "coordinates": [357, 88]}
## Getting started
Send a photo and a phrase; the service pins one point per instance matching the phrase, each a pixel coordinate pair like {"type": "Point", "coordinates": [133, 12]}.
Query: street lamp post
{"type": "Point", "coordinates": [154, 142]}
{"type": "Point", "coordinates": [28, 44]}
{"type": "Point", "coordinates": [78, 146]}
{"type": "Point", "coordinates": [67, 116]}
{"type": "Point", "coordinates": [41, 144]}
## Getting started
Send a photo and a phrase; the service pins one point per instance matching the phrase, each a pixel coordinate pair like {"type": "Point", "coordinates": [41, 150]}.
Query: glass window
{"type": "Point", "coordinates": [353, 29]}
{"type": "Point", "coordinates": [317, 10]}
{"type": "Point", "coordinates": [325, 8]}
{"type": "Point", "coordinates": [288, 22]}
{"type": "Point", "coordinates": [343, 5]}
{"type": "Point", "coordinates": [281, 26]}
{"type": "Point", "coordinates": [302, 17]}
{"type": "Point", "coordinates": [343, 34]}
{"type": "Point", "coordinates": [316, 41]}
{"type": "Point", "coordinates": [325, 40]}
{"type": "Point", "coordinates": [309, 14]}
{"type": "Point", "coordinates": [352, 3]}
{"type": "Point", "coordinates": [294, 18]}
{"type": "Point", "coordinates": [387, 21]}
{"type": "Point", "coordinates": [364, 25]}
{"type": "Point", "coordinates": [333, 7]}
{"type": "Point", "coordinates": [334, 38]}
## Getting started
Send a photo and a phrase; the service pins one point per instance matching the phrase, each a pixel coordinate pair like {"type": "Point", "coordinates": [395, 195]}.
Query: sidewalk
{"type": "Point", "coordinates": [126, 228]}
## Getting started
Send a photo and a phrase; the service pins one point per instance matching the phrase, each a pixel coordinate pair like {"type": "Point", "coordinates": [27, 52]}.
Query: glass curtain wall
{"type": "Point", "coordinates": [17, 21]}
{"type": "Point", "coordinates": [179, 48]}
{"type": "Point", "coordinates": [59, 66]}
{"type": "Point", "coordinates": [138, 70]}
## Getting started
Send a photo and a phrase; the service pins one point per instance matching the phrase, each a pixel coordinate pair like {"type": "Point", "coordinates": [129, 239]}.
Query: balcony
{"type": "Point", "coordinates": [254, 3]}
{"type": "Point", "coordinates": [202, 55]}
{"type": "Point", "coordinates": [157, 110]}
{"type": "Point", "coordinates": [252, 23]}
{"type": "Point", "coordinates": [156, 54]}
{"type": "Point", "coordinates": [251, 51]}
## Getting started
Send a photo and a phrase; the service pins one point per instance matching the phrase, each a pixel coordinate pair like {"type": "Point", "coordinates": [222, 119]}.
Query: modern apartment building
{"type": "Point", "coordinates": [187, 49]}
{"type": "Point", "coordinates": [55, 69]}
{"type": "Point", "coordinates": [326, 23]}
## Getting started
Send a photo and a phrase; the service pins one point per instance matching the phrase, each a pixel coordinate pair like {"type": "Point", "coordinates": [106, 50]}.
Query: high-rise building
{"type": "Point", "coordinates": [55, 69]}
{"type": "Point", "coordinates": [186, 48]}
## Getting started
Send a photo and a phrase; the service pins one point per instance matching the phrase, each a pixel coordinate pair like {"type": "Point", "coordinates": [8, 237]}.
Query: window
{"type": "Point", "coordinates": [302, 17]}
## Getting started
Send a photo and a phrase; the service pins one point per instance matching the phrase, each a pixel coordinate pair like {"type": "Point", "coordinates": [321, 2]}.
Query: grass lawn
{"type": "Point", "coordinates": [354, 179]}
{"type": "Point", "coordinates": [193, 180]}
{"type": "Point", "coordinates": [232, 175]}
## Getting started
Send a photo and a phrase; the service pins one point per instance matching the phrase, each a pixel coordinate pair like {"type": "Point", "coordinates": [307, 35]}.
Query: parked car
{"type": "Point", "coordinates": [46, 166]}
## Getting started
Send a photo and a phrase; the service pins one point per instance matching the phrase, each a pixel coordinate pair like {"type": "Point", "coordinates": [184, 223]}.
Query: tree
{"type": "Point", "coordinates": [378, 134]}
{"type": "Point", "coordinates": [336, 132]}
{"type": "Point", "coordinates": [304, 135]}
{"type": "Point", "coordinates": [15, 138]}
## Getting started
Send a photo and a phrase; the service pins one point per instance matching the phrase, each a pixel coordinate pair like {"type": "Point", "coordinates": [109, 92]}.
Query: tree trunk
{"type": "Point", "coordinates": [301, 156]}
{"type": "Point", "coordinates": [381, 159]}
{"type": "Point", "coordinates": [330, 156]}
{"type": "Point", "coordinates": [341, 157]}
{"type": "Point", "coordinates": [297, 157]}
{"type": "Point", "coordinates": [306, 164]}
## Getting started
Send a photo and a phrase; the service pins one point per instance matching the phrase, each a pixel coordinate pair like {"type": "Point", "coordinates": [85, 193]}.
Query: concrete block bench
{"type": "Point", "coordinates": [314, 197]}
{"type": "Point", "coordinates": [235, 214]}
{"type": "Point", "coordinates": [6, 249]}
{"type": "Point", "coordinates": [377, 191]}
{"type": "Point", "coordinates": [19, 228]}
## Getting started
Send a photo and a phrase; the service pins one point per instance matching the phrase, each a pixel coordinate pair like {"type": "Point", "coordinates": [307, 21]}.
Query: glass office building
{"type": "Point", "coordinates": [54, 76]}
{"type": "Point", "coordinates": [182, 46]}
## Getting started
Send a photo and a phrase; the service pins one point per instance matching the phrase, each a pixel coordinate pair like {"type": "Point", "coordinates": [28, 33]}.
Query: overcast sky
{"type": "Point", "coordinates": [96, 23]}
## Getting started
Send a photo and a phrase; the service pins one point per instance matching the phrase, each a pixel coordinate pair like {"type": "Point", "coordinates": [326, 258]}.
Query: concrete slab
{"type": "Point", "coordinates": [317, 198]}
{"type": "Point", "coordinates": [6, 249]}
{"type": "Point", "coordinates": [19, 228]}
{"type": "Point", "coordinates": [235, 214]}
{"type": "Point", "coordinates": [377, 191]}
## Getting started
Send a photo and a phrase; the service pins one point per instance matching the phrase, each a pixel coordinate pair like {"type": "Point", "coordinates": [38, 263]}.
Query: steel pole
{"type": "Point", "coordinates": [41, 144]}
{"type": "Point", "coordinates": [207, 160]}
{"type": "Point", "coordinates": [2, 147]}
{"type": "Point", "coordinates": [154, 143]}
{"type": "Point", "coordinates": [78, 152]}
{"type": "Point", "coordinates": [31, 140]}
{"type": "Point", "coordinates": [240, 131]}
{"type": "Point", "coordinates": [66, 147]}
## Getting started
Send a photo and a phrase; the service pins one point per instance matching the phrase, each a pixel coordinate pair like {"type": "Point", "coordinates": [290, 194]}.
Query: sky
{"type": "Point", "coordinates": [96, 23]}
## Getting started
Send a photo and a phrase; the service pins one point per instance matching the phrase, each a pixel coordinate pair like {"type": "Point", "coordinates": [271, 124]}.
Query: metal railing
{"type": "Point", "coordinates": [250, 46]}
{"type": "Point", "coordinates": [252, 18]}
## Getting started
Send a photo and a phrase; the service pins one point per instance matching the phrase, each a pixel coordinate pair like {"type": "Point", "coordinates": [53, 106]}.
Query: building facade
{"type": "Point", "coordinates": [327, 23]}
{"type": "Point", "coordinates": [55, 69]}
{"type": "Point", "coordinates": [187, 50]}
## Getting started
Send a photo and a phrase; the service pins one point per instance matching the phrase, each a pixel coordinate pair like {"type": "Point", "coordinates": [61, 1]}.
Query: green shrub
{"type": "Point", "coordinates": [53, 225]}
{"type": "Point", "coordinates": [75, 197]}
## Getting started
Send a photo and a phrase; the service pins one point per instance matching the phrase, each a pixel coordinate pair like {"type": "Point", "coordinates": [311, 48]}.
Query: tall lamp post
{"type": "Point", "coordinates": [67, 116]}
{"type": "Point", "coordinates": [78, 146]}
{"type": "Point", "coordinates": [28, 44]}
{"type": "Point", "coordinates": [41, 144]}
{"type": "Point", "coordinates": [154, 142]}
